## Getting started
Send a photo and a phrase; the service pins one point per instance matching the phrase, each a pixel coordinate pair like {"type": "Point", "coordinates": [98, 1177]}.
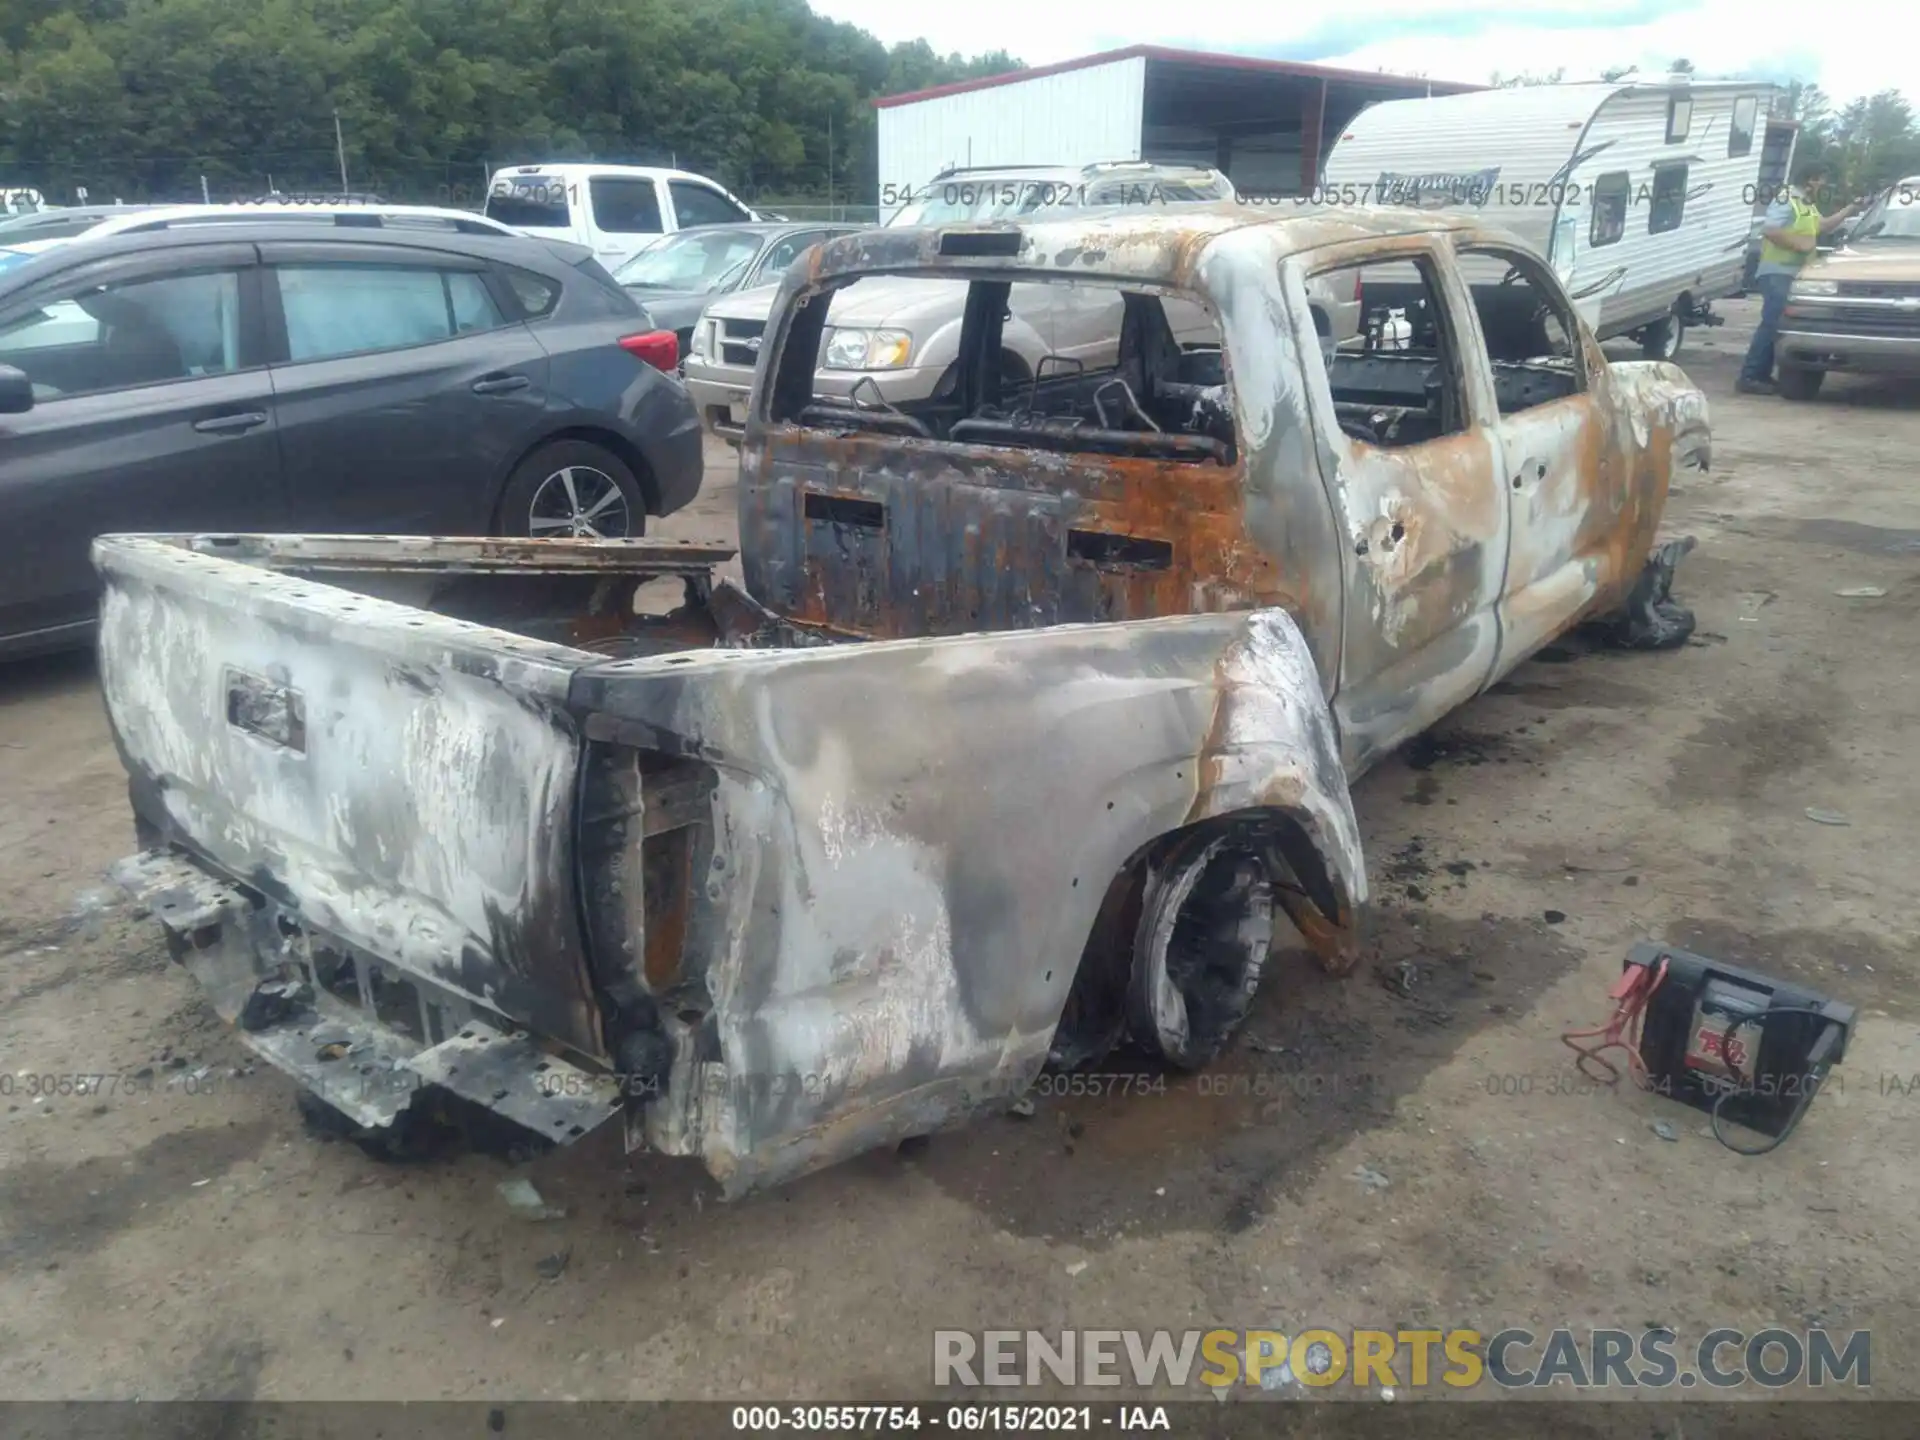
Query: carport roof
{"type": "Point", "coordinates": [1202, 58]}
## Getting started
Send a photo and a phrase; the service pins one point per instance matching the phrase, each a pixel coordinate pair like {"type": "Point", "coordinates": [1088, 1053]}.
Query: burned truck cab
{"type": "Point", "coordinates": [1115, 481]}
{"type": "Point", "coordinates": [1429, 500]}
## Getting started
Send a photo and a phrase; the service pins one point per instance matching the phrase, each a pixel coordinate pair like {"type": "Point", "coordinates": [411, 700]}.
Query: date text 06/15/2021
{"type": "Point", "coordinates": [1032, 198]}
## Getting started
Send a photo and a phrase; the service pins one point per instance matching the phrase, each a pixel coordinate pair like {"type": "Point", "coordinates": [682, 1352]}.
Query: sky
{"type": "Point", "coordinates": [1848, 47]}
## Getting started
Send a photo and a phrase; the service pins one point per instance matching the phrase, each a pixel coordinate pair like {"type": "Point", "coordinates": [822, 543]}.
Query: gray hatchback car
{"type": "Point", "coordinates": [281, 377]}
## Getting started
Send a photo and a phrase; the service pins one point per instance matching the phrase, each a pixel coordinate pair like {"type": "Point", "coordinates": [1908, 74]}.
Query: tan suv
{"type": "Point", "coordinates": [1857, 307]}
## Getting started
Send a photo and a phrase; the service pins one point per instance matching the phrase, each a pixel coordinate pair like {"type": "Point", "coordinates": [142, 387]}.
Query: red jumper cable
{"type": "Point", "coordinates": [1629, 994]}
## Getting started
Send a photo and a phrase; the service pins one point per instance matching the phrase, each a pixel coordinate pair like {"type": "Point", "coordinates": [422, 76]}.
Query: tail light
{"type": "Point", "coordinates": [658, 348]}
{"type": "Point", "coordinates": [1356, 286]}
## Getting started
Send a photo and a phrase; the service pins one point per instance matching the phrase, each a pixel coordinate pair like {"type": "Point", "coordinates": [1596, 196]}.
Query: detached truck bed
{"type": "Point", "coordinates": [496, 820]}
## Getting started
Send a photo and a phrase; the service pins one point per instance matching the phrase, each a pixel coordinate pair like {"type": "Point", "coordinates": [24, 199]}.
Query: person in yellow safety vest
{"type": "Point", "coordinates": [1792, 229]}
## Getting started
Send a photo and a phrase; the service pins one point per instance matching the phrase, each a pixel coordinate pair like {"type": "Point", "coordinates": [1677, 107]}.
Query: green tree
{"type": "Point", "coordinates": [143, 97]}
{"type": "Point", "coordinates": [1872, 143]}
{"type": "Point", "coordinates": [1528, 77]}
{"type": "Point", "coordinates": [1866, 145]}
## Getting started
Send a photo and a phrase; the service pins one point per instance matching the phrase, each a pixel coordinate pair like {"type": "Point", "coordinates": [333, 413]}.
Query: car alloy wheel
{"type": "Point", "coordinates": [578, 503]}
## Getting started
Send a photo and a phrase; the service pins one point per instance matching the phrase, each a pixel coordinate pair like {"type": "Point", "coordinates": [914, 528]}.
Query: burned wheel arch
{"type": "Point", "coordinates": [886, 899]}
{"type": "Point", "coordinates": [1181, 940]}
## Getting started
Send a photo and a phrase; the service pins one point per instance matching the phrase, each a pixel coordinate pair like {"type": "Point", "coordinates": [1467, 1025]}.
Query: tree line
{"type": "Point", "coordinates": [1866, 144]}
{"type": "Point", "coordinates": [138, 99]}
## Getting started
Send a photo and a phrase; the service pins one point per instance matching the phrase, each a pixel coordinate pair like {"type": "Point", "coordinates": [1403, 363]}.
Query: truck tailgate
{"type": "Point", "coordinates": [401, 779]}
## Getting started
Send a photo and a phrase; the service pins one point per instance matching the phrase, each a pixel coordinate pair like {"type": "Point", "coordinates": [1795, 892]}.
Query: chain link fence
{"type": "Point", "coordinates": [835, 214]}
{"type": "Point", "coordinates": [461, 184]}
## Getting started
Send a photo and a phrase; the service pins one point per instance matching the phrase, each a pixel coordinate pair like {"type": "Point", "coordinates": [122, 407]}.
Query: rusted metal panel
{"type": "Point", "coordinates": [443, 554]}
{"type": "Point", "coordinates": [867, 536]}
{"type": "Point", "coordinates": [1590, 478]}
{"type": "Point", "coordinates": [304, 1008]}
{"type": "Point", "coordinates": [883, 536]}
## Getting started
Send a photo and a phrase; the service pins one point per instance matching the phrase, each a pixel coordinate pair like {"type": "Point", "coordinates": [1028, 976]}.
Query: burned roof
{"type": "Point", "coordinates": [1156, 245]}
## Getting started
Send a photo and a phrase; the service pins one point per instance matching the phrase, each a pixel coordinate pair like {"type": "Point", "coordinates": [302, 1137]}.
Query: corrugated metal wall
{"type": "Point", "coordinates": [1073, 118]}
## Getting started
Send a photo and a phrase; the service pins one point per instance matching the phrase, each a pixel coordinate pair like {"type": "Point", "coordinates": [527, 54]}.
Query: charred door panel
{"type": "Point", "coordinates": [1427, 530]}
{"type": "Point", "coordinates": [1415, 485]}
{"type": "Point", "coordinates": [1577, 500]}
{"type": "Point", "coordinates": [1563, 554]}
{"type": "Point", "coordinates": [883, 536]}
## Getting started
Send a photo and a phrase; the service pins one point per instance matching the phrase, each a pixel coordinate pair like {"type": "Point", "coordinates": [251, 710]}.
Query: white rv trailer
{"type": "Point", "coordinates": [1640, 194]}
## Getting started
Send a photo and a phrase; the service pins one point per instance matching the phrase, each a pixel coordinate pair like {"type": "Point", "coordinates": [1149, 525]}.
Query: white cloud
{"type": "Point", "coordinates": [1849, 47]}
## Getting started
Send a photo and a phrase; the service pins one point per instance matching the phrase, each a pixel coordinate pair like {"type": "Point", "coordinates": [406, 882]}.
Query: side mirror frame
{"type": "Point", "coordinates": [16, 391]}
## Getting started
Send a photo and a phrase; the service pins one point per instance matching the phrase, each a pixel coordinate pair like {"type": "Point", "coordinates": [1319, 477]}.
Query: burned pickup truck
{"type": "Point", "coordinates": [1027, 734]}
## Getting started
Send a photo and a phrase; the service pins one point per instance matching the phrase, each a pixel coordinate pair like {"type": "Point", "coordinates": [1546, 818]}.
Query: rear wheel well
{"type": "Point", "coordinates": [1095, 1017]}
{"type": "Point", "coordinates": [627, 452]}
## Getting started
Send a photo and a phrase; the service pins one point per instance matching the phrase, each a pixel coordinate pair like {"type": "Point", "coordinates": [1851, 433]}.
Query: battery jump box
{"type": "Point", "coordinates": [1742, 1046]}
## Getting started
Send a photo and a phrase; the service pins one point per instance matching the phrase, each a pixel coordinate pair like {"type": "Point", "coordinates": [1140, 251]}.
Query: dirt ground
{"type": "Point", "coordinates": [198, 1241]}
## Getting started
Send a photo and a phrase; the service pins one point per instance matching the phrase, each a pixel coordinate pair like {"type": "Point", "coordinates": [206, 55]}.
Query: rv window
{"type": "Point", "coordinates": [1391, 369]}
{"type": "Point", "coordinates": [1740, 137]}
{"type": "Point", "coordinates": [1669, 201]}
{"type": "Point", "coordinates": [1609, 209]}
{"type": "Point", "coordinates": [1531, 335]}
{"type": "Point", "coordinates": [1679, 118]}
